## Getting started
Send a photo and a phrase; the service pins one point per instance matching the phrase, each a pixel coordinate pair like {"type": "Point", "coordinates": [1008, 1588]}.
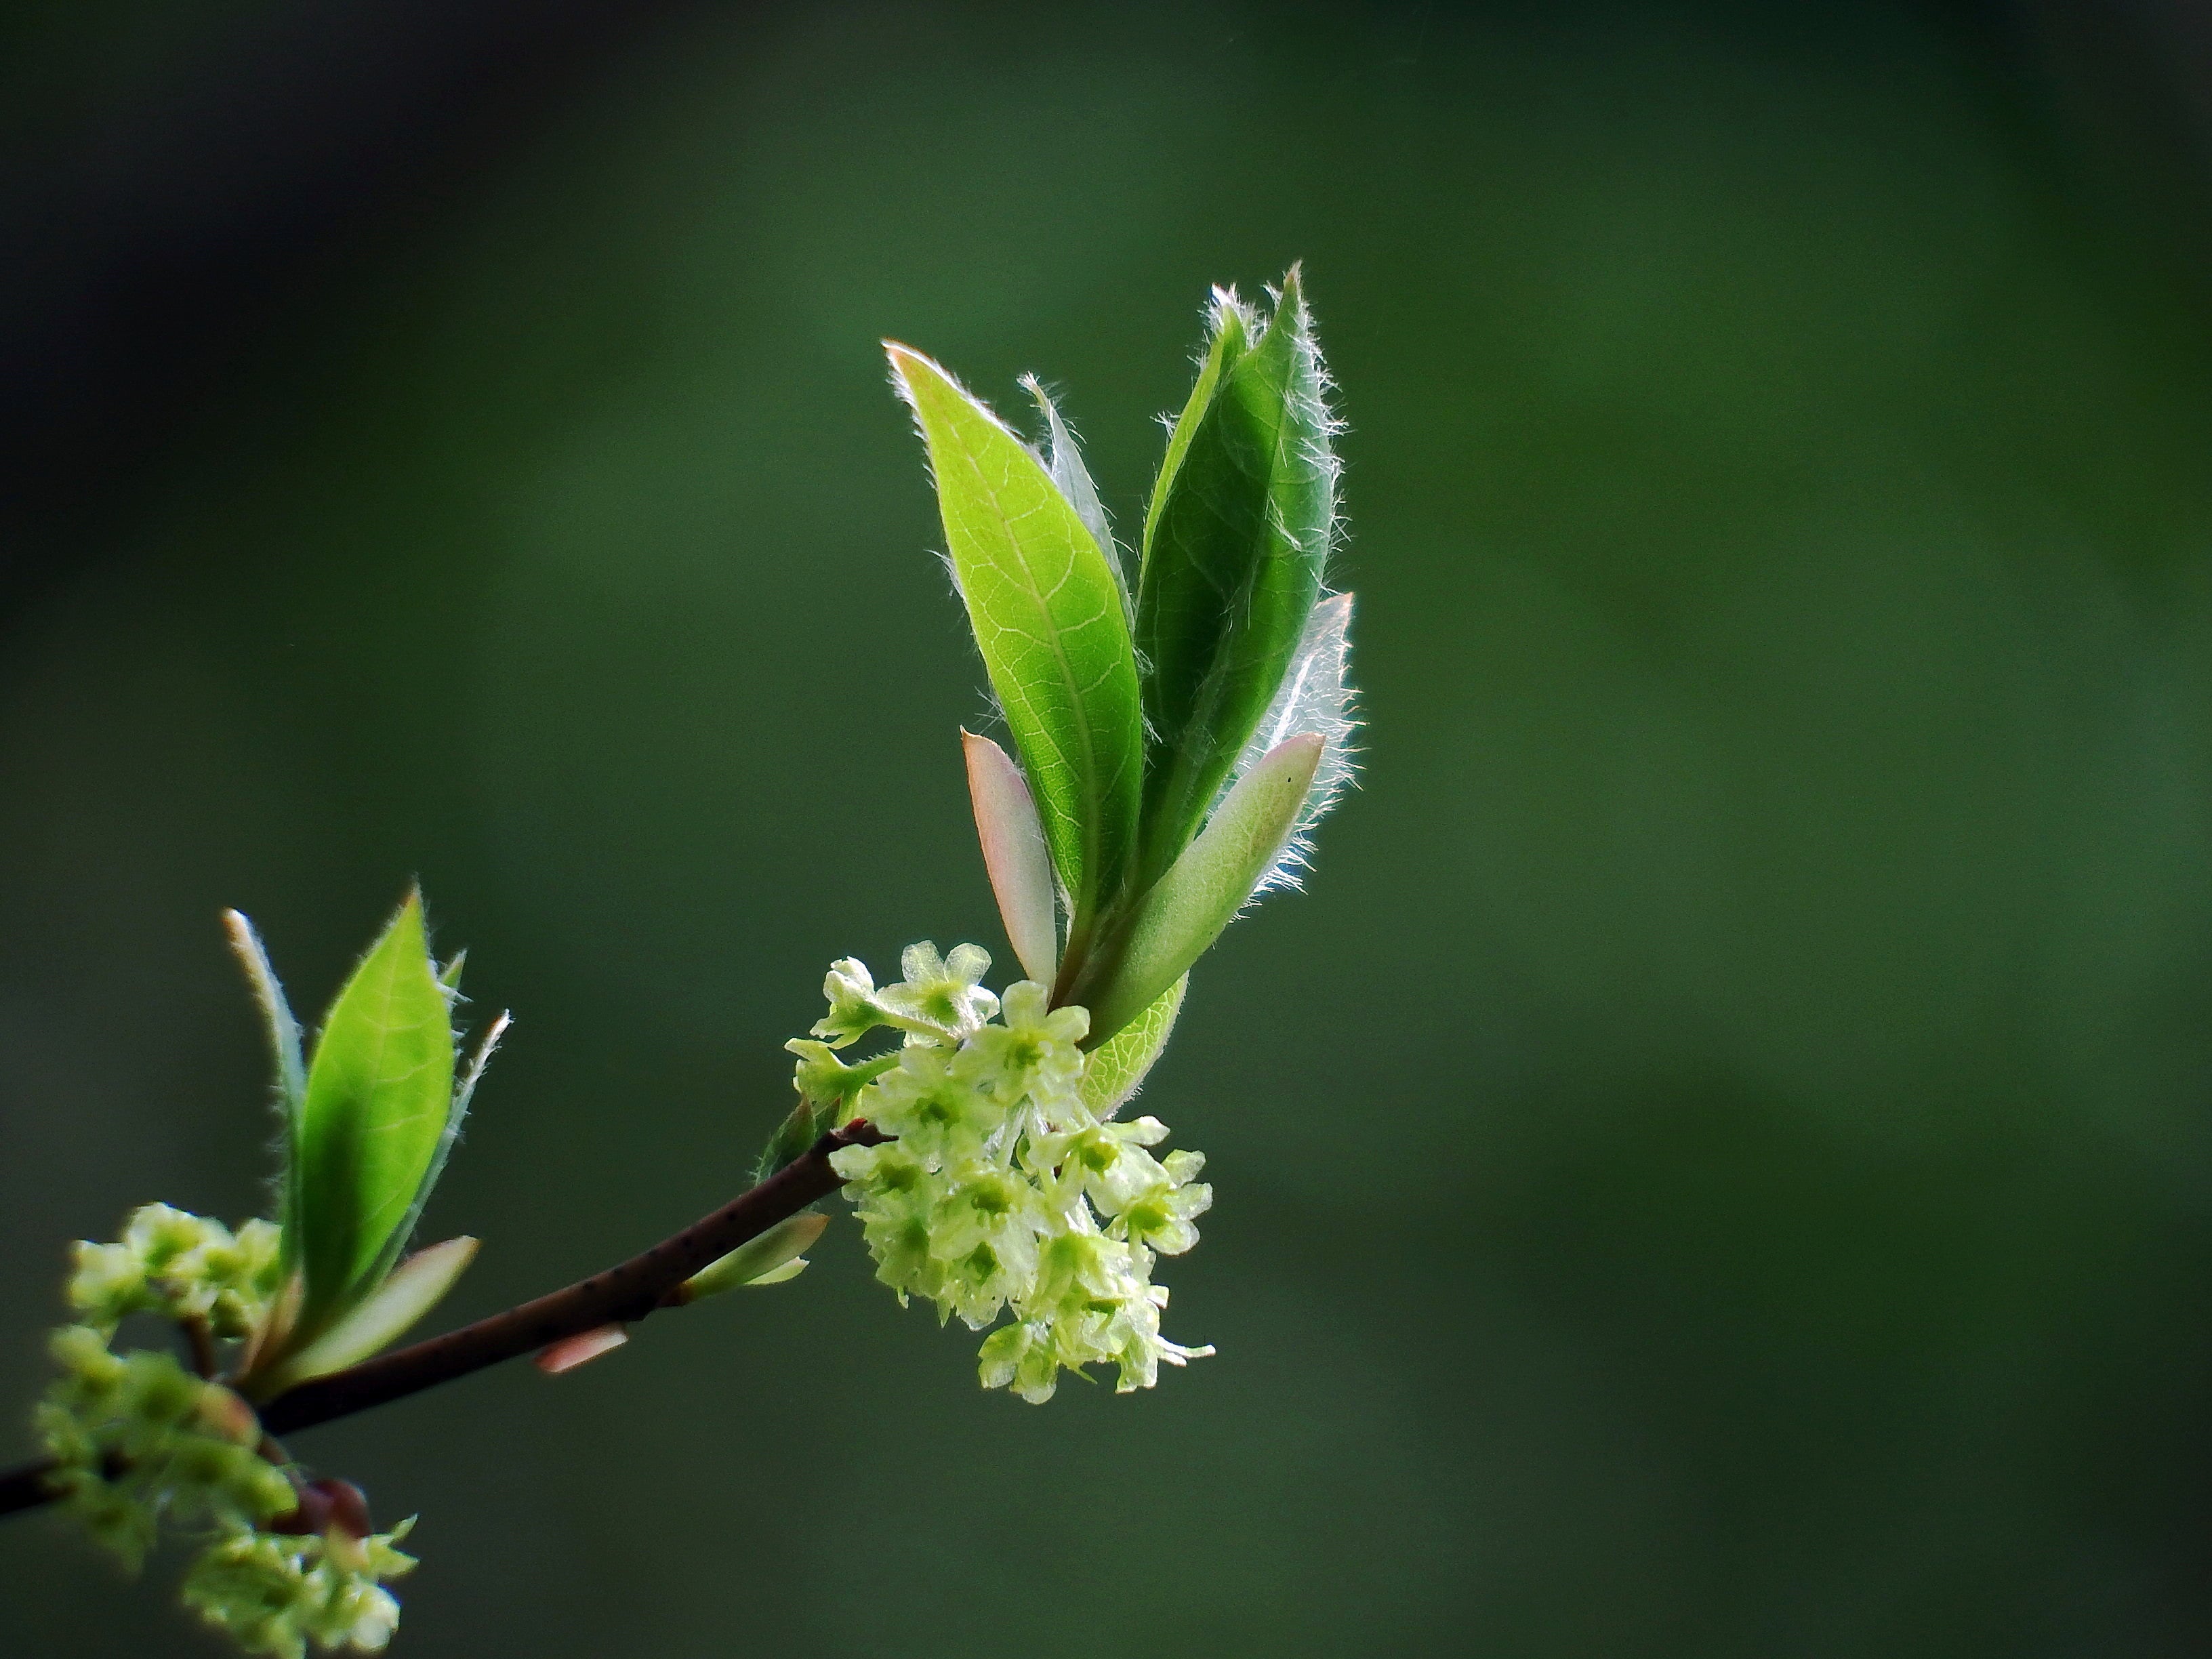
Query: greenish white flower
{"type": "Point", "coordinates": [140, 1444]}
{"type": "Point", "coordinates": [1033, 1051]}
{"type": "Point", "coordinates": [984, 1228]}
{"type": "Point", "coordinates": [179, 1265]}
{"type": "Point", "coordinates": [274, 1593]}
{"type": "Point", "coordinates": [824, 1078]}
{"type": "Point", "coordinates": [1161, 1214]}
{"type": "Point", "coordinates": [138, 1441]}
{"type": "Point", "coordinates": [1002, 1190]}
{"type": "Point", "coordinates": [1106, 1162]}
{"type": "Point", "coordinates": [941, 998]}
{"type": "Point", "coordinates": [940, 1113]}
{"type": "Point", "coordinates": [894, 1195]}
{"type": "Point", "coordinates": [1021, 1357]}
{"type": "Point", "coordinates": [854, 1012]}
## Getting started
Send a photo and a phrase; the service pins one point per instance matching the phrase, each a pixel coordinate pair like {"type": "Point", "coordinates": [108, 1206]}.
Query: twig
{"type": "Point", "coordinates": [26, 1488]}
{"type": "Point", "coordinates": [625, 1293]}
{"type": "Point", "coordinates": [201, 1341]}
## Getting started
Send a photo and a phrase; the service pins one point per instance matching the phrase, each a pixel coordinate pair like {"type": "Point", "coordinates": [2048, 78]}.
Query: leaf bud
{"type": "Point", "coordinates": [582, 1349]}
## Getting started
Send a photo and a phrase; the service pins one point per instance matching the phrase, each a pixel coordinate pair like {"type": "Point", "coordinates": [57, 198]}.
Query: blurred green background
{"type": "Point", "coordinates": [1717, 1161]}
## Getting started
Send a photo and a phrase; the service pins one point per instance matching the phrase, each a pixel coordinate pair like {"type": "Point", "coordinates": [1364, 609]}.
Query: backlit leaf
{"type": "Point", "coordinates": [1232, 566]}
{"type": "Point", "coordinates": [291, 1071]}
{"type": "Point", "coordinates": [1210, 882]}
{"type": "Point", "coordinates": [1116, 1067]}
{"type": "Point", "coordinates": [757, 1260]}
{"type": "Point", "coordinates": [1229, 327]}
{"type": "Point", "coordinates": [416, 1286]}
{"type": "Point", "coordinates": [1064, 461]}
{"type": "Point", "coordinates": [1315, 696]}
{"type": "Point", "coordinates": [464, 1091]}
{"type": "Point", "coordinates": [378, 1112]}
{"type": "Point", "coordinates": [1048, 620]}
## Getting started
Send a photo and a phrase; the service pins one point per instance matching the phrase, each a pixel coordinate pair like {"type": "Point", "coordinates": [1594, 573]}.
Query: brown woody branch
{"type": "Point", "coordinates": [622, 1295]}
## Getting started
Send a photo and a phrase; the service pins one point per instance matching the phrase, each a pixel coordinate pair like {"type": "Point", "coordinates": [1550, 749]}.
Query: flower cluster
{"type": "Point", "coordinates": [138, 1443]}
{"type": "Point", "coordinates": [183, 1266]}
{"type": "Point", "coordinates": [138, 1440]}
{"type": "Point", "coordinates": [274, 1592]}
{"type": "Point", "coordinates": [1003, 1190]}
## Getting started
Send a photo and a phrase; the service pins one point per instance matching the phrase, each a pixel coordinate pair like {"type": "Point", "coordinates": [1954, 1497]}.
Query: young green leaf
{"type": "Point", "coordinates": [1232, 566]}
{"type": "Point", "coordinates": [1117, 1066]}
{"type": "Point", "coordinates": [276, 1013]}
{"type": "Point", "coordinates": [782, 1275]}
{"type": "Point", "coordinates": [1047, 618]}
{"type": "Point", "coordinates": [291, 1070]}
{"type": "Point", "coordinates": [416, 1286]}
{"type": "Point", "coordinates": [1229, 328]}
{"type": "Point", "coordinates": [1064, 461]}
{"type": "Point", "coordinates": [1014, 855]}
{"type": "Point", "coordinates": [767, 1259]}
{"type": "Point", "coordinates": [1205, 887]}
{"type": "Point", "coordinates": [379, 1110]}
{"type": "Point", "coordinates": [1315, 696]}
{"type": "Point", "coordinates": [464, 1092]}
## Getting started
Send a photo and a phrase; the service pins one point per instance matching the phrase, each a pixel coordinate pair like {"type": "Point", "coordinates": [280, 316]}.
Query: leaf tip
{"type": "Point", "coordinates": [451, 1255]}
{"type": "Point", "coordinates": [905, 360]}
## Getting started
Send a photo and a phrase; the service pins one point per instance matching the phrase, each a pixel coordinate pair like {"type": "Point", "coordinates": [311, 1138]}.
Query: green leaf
{"type": "Point", "coordinates": [416, 1286]}
{"type": "Point", "coordinates": [1047, 618]}
{"type": "Point", "coordinates": [1205, 887]}
{"type": "Point", "coordinates": [1014, 855]}
{"type": "Point", "coordinates": [1229, 326]}
{"type": "Point", "coordinates": [782, 1275]}
{"type": "Point", "coordinates": [379, 1109]}
{"type": "Point", "coordinates": [1117, 1066]}
{"type": "Point", "coordinates": [1232, 566]}
{"type": "Point", "coordinates": [291, 1070]}
{"type": "Point", "coordinates": [768, 1260]}
{"type": "Point", "coordinates": [464, 1092]}
{"type": "Point", "coordinates": [1315, 696]}
{"type": "Point", "coordinates": [1064, 462]}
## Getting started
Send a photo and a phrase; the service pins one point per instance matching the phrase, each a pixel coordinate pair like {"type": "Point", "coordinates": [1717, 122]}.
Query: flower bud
{"type": "Point", "coordinates": [226, 1416]}
{"type": "Point", "coordinates": [312, 1515]}
{"type": "Point", "coordinates": [349, 1507]}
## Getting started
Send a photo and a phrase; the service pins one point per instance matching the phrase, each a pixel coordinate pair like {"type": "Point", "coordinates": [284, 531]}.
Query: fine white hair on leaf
{"type": "Point", "coordinates": [1063, 461]}
{"type": "Point", "coordinates": [1220, 306]}
{"type": "Point", "coordinates": [1223, 304]}
{"type": "Point", "coordinates": [1315, 696]}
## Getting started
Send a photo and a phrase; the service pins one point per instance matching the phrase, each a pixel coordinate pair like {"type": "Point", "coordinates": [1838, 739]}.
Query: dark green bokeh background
{"type": "Point", "coordinates": [1716, 1162]}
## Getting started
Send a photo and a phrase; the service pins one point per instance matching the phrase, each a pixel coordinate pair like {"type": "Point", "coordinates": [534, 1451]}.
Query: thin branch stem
{"type": "Point", "coordinates": [26, 1488]}
{"type": "Point", "coordinates": [201, 1341]}
{"type": "Point", "coordinates": [622, 1295]}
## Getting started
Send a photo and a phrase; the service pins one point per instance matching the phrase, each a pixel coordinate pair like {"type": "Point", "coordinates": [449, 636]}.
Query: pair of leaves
{"type": "Point", "coordinates": [369, 1123]}
{"type": "Point", "coordinates": [1132, 717]}
{"type": "Point", "coordinates": [1235, 541]}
